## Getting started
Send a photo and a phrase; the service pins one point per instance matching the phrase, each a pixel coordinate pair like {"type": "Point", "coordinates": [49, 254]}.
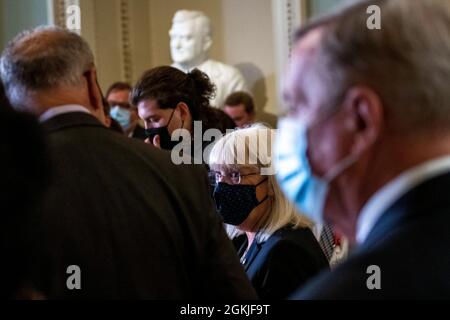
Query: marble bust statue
{"type": "Point", "coordinates": [190, 41]}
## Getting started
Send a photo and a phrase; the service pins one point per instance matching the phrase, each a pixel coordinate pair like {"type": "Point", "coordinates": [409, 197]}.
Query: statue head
{"type": "Point", "coordinates": [190, 38]}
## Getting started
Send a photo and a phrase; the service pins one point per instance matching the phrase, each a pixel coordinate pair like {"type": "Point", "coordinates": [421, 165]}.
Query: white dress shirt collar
{"type": "Point", "coordinates": [55, 111]}
{"type": "Point", "coordinates": [394, 190]}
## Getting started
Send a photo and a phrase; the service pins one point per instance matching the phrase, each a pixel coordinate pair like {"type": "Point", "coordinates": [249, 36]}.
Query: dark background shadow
{"type": "Point", "coordinates": [256, 83]}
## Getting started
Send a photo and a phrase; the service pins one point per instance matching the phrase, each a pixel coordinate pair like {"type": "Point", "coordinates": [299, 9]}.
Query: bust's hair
{"type": "Point", "coordinates": [189, 15]}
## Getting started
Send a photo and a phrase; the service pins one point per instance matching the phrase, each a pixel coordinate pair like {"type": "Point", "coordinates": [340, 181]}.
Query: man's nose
{"type": "Point", "coordinates": [177, 43]}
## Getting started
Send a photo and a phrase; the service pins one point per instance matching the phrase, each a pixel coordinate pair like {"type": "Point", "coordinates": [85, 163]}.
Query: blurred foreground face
{"type": "Point", "coordinates": [315, 140]}
{"type": "Point", "coordinates": [308, 100]}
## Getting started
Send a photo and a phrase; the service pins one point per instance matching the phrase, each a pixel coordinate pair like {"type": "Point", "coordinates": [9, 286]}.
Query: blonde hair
{"type": "Point", "coordinates": [244, 147]}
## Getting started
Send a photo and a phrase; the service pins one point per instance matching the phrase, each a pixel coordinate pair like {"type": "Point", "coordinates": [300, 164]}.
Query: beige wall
{"type": "Point", "coordinates": [249, 45]}
{"type": "Point", "coordinates": [102, 28]}
{"type": "Point", "coordinates": [242, 37]}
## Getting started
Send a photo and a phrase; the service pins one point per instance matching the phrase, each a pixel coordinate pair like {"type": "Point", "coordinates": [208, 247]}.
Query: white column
{"type": "Point", "coordinates": [288, 15]}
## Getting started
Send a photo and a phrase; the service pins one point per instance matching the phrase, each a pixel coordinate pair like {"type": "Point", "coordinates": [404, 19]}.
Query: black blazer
{"type": "Point", "coordinates": [284, 262]}
{"type": "Point", "coordinates": [24, 163]}
{"type": "Point", "coordinates": [411, 246]}
{"type": "Point", "coordinates": [137, 225]}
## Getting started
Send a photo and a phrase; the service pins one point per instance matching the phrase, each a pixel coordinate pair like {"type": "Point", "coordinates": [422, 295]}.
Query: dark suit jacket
{"type": "Point", "coordinates": [24, 171]}
{"type": "Point", "coordinates": [411, 246]}
{"type": "Point", "coordinates": [137, 225]}
{"type": "Point", "coordinates": [284, 262]}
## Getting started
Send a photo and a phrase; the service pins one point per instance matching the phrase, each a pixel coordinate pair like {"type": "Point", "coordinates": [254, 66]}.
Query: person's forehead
{"type": "Point", "coordinates": [303, 51]}
{"type": "Point", "coordinates": [148, 108]}
{"type": "Point", "coordinates": [297, 75]}
{"type": "Point", "coordinates": [183, 28]}
{"type": "Point", "coordinates": [236, 108]}
{"type": "Point", "coordinates": [231, 168]}
{"type": "Point", "coordinates": [119, 95]}
{"type": "Point", "coordinates": [309, 42]}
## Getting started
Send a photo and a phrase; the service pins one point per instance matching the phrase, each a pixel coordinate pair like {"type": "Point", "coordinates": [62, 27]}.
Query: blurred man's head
{"type": "Point", "coordinates": [121, 110]}
{"type": "Point", "coordinates": [48, 67]}
{"type": "Point", "coordinates": [190, 38]}
{"type": "Point", "coordinates": [374, 103]}
{"type": "Point", "coordinates": [239, 106]}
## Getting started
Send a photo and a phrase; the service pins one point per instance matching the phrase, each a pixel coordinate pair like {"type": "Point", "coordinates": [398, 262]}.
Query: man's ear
{"type": "Point", "coordinates": [368, 116]}
{"type": "Point", "coordinates": [207, 43]}
{"type": "Point", "coordinates": [95, 94]}
{"type": "Point", "coordinates": [107, 121]}
{"type": "Point", "coordinates": [184, 111]}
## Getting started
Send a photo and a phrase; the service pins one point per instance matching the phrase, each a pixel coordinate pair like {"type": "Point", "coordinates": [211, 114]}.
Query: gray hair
{"type": "Point", "coordinates": [407, 61]}
{"type": "Point", "coordinates": [198, 16]}
{"type": "Point", "coordinates": [41, 59]}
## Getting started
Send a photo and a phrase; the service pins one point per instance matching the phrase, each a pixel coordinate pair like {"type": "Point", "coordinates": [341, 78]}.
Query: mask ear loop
{"type": "Point", "coordinates": [257, 236]}
{"type": "Point", "coordinates": [171, 116]}
{"type": "Point", "coordinates": [261, 182]}
{"type": "Point", "coordinates": [266, 197]}
{"type": "Point", "coordinates": [340, 168]}
{"type": "Point", "coordinates": [344, 164]}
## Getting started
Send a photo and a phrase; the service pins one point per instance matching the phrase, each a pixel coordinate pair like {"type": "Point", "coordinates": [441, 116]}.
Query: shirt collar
{"type": "Point", "coordinates": [391, 192]}
{"type": "Point", "coordinates": [55, 111]}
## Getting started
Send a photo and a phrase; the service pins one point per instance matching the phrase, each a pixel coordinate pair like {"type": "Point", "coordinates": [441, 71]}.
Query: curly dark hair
{"type": "Point", "coordinates": [170, 86]}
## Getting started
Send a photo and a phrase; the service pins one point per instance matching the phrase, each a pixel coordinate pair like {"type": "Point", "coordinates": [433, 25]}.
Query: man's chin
{"type": "Point", "coordinates": [179, 60]}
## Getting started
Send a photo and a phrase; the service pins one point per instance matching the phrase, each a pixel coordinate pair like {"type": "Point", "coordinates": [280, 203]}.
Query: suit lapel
{"type": "Point", "coordinates": [252, 253]}
{"type": "Point", "coordinates": [422, 200]}
{"type": "Point", "coordinates": [257, 246]}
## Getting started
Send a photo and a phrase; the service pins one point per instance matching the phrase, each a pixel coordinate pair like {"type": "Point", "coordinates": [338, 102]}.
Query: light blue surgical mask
{"type": "Point", "coordinates": [121, 115]}
{"type": "Point", "coordinates": [307, 191]}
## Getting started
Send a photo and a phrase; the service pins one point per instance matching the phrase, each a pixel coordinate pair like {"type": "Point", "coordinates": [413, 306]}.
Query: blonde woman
{"type": "Point", "coordinates": [280, 252]}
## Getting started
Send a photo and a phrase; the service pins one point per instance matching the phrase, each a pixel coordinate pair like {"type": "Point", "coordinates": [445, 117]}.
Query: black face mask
{"type": "Point", "coordinates": [235, 202]}
{"type": "Point", "coordinates": [165, 139]}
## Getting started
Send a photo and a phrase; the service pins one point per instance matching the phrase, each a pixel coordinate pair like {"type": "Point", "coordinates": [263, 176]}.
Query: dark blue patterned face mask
{"type": "Point", "coordinates": [235, 202]}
